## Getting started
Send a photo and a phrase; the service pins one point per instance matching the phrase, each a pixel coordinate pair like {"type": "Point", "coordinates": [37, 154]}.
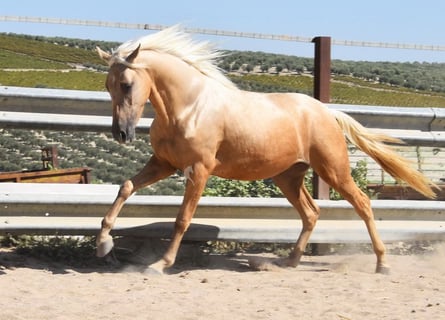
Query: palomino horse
{"type": "Point", "coordinates": [205, 126]}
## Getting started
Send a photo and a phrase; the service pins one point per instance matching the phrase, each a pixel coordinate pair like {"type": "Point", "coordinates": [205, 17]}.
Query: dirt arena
{"type": "Point", "coordinates": [335, 286]}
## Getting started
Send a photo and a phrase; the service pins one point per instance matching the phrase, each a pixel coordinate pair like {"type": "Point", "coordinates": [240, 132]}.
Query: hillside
{"type": "Point", "coordinates": [30, 54]}
{"type": "Point", "coordinates": [72, 64]}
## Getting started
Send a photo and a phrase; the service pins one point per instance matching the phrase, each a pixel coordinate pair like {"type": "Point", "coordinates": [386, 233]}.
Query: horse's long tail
{"type": "Point", "coordinates": [373, 144]}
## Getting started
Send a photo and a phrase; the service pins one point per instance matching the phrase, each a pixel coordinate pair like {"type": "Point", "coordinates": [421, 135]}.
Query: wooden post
{"type": "Point", "coordinates": [50, 158]}
{"type": "Point", "coordinates": [322, 78]}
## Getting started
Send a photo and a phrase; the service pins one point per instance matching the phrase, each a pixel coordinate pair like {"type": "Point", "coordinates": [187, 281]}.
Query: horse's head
{"type": "Point", "coordinates": [129, 93]}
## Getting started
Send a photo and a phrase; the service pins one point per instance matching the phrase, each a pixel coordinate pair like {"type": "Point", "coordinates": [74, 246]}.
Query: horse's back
{"type": "Point", "coordinates": [319, 134]}
{"type": "Point", "coordinates": [267, 133]}
{"type": "Point", "coordinates": [313, 119]}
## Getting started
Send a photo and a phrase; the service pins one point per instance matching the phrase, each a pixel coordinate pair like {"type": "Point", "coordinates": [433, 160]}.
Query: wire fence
{"type": "Point", "coordinates": [214, 32]}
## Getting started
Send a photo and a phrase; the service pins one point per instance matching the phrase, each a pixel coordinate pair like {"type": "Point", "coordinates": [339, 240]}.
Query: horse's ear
{"type": "Point", "coordinates": [133, 55]}
{"type": "Point", "coordinates": [103, 55]}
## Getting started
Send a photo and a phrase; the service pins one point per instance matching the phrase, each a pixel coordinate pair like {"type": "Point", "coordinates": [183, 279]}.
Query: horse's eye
{"type": "Point", "coordinates": [125, 87]}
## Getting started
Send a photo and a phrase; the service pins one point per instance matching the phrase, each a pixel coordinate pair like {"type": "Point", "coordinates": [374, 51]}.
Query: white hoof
{"type": "Point", "coordinates": [153, 272]}
{"type": "Point", "coordinates": [156, 268]}
{"type": "Point", "coordinates": [104, 247]}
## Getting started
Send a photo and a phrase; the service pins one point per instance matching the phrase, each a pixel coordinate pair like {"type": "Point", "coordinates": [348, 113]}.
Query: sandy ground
{"type": "Point", "coordinates": [339, 286]}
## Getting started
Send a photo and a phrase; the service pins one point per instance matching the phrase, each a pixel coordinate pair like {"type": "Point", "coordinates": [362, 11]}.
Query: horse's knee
{"type": "Point", "coordinates": [126, 189]}
{"type": "Point", "coordinates": [106, 223]}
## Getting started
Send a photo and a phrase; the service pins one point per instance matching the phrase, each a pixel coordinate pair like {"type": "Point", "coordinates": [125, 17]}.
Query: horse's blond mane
{"type": "Point", "coordinates": [174, 41]}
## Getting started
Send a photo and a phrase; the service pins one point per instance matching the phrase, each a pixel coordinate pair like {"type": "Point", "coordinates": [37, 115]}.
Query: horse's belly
{"type": "Point", "coordinates": [254, 169]}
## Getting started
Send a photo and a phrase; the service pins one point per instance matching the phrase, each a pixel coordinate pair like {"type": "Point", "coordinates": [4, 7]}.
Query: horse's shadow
{"type": "Point", "coordinates": [12, 259]}
{"type": "Point", "coordinates": [142, 252]}
{"type": "Point", "coordinates": [133, 252]}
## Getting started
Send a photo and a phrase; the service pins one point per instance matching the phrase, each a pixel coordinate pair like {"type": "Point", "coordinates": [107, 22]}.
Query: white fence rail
{"type": "Point", "coordinates": [78, 209]}
{"type": "Point", "coordinates": [52, 109]}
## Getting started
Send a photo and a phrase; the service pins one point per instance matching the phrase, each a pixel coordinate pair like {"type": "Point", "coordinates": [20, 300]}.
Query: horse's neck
{"type": "Point", "coordinates": [175, 86]}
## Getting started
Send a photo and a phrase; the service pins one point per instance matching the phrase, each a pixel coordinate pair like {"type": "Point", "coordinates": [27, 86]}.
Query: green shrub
{"type": "Point", "coordinates": [218, 187]}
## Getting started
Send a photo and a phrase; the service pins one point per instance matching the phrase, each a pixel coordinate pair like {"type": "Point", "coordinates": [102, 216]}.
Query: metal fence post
{"type": "Point", "coordinates": [322, 77]}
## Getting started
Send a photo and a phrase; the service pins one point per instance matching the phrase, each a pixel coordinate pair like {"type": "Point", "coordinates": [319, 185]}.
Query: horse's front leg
{"type": "Point", "coordinates": [153, 171]}
{"type": "Point", "coordinates": [197, 176]}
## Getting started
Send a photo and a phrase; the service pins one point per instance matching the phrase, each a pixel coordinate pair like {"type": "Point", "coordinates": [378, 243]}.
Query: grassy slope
{"type": "Point", "coordinates": [346, 90]}
{"type": "Point", "coordinates": [48, 51]}
{"type": "Point", "coordinates": [27, 55]}
{"type": "Point", "coordinates": [77, 80]}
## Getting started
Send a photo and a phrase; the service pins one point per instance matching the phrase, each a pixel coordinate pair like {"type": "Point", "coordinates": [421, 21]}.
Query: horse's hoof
{"type": "Point", "coordinates": [153, 272]}
{"type": "Point", "coordinates": [285, 263]}
{"type": "Point", "coordinates": [383, 269]}
{"type": "Point", "coordinates": [104, 247]}
{"type": "Point", "coordinates": [264, 264]}
{"type": "Point", "coordinates": [156, 268]}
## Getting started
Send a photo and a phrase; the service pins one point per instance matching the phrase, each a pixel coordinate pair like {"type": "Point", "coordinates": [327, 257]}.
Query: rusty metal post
{"type": "Point", "coordinates": [322, 78]}
{"type": "Point", "coordinates": [322, 69]}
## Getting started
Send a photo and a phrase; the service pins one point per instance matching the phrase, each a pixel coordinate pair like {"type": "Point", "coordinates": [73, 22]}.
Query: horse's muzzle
{"type": "Point", "coordinates": [124, 136]}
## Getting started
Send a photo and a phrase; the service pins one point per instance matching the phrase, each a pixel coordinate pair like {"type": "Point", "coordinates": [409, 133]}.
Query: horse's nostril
{"type": "Point", "coordinates": [123, 136]}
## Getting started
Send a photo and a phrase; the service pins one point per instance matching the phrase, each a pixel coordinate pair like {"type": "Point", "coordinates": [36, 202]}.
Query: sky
{"type": "Point", "coordinates": [389, 21]}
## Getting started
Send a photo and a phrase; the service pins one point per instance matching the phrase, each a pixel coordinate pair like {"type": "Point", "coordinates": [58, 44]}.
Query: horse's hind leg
{"type": "Point", "coordinates": [362, 206]}
{"type": "Point", "coordinates": [340, 179]}
{"type": "Point", "coordinates": [291, 184]}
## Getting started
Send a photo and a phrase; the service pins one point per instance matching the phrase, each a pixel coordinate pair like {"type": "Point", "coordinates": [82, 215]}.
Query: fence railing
{"type": "Point", "coordinates": [64, 110]}
{"type": "Point", "coordinates": [66, 209]}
